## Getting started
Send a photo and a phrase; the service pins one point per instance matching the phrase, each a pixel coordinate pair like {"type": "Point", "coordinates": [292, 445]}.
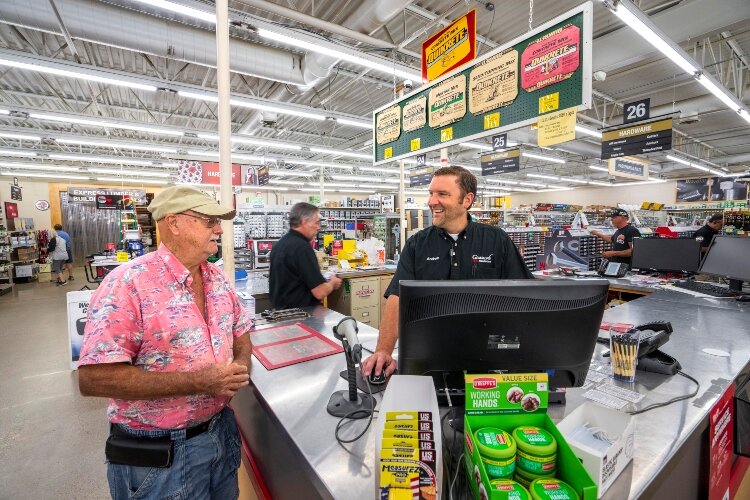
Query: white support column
{"type": "Point", "coordinates": [225, 132]}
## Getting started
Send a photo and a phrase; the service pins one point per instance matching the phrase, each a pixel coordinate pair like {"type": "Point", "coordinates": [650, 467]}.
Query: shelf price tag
{"type": "Point", "coordinates": [122, 256]}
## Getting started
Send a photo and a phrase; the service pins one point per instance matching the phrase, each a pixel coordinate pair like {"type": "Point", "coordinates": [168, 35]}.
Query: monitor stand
{"type": "Point", "coordinates": [556, 397]}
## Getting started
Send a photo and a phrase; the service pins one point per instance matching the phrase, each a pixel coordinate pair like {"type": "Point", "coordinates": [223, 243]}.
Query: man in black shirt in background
{"type": "Point", "coordinates": [622, 239]}
{"type": "Point", "coordinates": [295, 279]}
{"type": "Point", "coordinates": [705, 235]}
{"type": "Point", "coordinates": [454, 248]}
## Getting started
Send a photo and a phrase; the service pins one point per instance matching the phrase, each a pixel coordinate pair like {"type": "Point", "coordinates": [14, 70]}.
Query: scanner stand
{"type": "Point", "coordinates": [658, 362]}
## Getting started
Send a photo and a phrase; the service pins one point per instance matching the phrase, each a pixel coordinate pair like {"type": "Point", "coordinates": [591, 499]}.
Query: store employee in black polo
{"type": "Point", "coordinates": [453, 248]}
{"type": "Point", "coordinates": [295, 279]}
{"type": "Point", "coordinates": [622, 239]}
{"type": "Point", "coordinates": [705, 235]}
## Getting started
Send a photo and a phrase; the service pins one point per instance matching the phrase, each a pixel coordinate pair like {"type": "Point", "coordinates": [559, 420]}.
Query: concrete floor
{"type": "Point", "coordinates": [51, 438]}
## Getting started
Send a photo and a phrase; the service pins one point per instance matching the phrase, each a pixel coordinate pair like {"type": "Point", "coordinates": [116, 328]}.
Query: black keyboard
{"type": "Point", "coordinates": [705, 288]}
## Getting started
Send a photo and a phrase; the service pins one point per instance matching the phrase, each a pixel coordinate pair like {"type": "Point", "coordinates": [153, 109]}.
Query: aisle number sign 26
{"type": "Point", "coordinates": [636, 111]}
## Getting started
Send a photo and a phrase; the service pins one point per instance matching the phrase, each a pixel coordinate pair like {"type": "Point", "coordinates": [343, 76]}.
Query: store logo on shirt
{"type": "Point", "coordinates": [483, 259]}
{"type": "Point", "coordinates": [620, 239]}
{"type": "Point", "coordinates": [433, 258]}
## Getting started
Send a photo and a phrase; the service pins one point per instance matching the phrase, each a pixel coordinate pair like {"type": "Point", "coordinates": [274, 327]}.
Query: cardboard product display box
{"type": "Point", "coordinates": [508, 401]}
{"type": "Point", "coordinates": [603, 466]}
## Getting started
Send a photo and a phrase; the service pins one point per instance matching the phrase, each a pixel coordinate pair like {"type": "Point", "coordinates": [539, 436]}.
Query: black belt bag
{"type": "Point", "coordinates": [125, 449]}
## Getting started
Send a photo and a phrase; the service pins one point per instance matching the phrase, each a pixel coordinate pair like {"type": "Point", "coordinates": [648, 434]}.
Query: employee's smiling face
{"type": "Point", "coordinates": [447, 204]}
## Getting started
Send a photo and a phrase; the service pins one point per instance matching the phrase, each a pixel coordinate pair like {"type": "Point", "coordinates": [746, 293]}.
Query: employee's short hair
{"type": "Point", "coordinates": [716, 217]}
{"type": "Point", "coordinates": [58, 227]}
{"type": "Point", "coordinates": [466, 180]}
{"type": "Point", "coordinates": [300, 212]}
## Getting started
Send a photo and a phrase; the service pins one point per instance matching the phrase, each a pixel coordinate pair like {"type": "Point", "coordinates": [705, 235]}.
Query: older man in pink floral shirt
{"type": "Point", "coordinates": [167, 340]}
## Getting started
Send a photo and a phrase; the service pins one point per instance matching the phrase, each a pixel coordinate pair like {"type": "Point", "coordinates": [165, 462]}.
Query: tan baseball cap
{"type": "Point", "coordinates": [177, 199]}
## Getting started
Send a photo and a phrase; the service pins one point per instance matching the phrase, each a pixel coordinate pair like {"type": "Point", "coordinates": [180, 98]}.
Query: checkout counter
{"type": "Point", "coordinates": [290, 436]}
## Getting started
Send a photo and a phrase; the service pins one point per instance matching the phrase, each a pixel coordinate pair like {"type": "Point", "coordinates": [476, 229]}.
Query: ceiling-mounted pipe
{"type": "Point", "coordinates": [317, 23]}
{"type": "Point", "coordinates": [112, 26]}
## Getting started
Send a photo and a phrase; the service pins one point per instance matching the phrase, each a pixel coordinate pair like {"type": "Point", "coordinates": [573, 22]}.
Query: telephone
{"type": "Point", "coordinates": [652, 336]}
{"type": "Point", "coordinates": [613, 269]}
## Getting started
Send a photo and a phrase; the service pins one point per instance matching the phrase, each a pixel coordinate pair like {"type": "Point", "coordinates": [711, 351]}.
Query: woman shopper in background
{"type": "Point", "coordinates": [58, 252]}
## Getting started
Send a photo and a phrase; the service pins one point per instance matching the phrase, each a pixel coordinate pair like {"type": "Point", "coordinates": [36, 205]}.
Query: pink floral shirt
{"type": "Point", "coordinates": [144, 313]}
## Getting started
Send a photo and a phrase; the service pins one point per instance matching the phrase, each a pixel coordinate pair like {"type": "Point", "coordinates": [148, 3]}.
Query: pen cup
{"type": "Point", "coordinates": [623, 348]}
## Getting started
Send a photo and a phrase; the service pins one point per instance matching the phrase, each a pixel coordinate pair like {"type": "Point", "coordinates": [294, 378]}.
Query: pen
{"type": "Point", "coordinates": [474, 263]}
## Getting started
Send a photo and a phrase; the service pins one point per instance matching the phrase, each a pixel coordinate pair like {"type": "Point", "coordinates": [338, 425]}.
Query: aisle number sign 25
{"type": "Point", "coordinates": [636, 111]}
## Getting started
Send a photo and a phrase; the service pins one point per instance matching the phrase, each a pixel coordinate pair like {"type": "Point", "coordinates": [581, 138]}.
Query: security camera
{"type": "Point", "coordinates": [600, 76]}
{"type": "Point", "coordinates": [408, 84]}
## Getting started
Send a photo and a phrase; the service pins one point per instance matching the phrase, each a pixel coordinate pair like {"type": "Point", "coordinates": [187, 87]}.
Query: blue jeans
{"type": "Point", "coordinates": [204, 466]}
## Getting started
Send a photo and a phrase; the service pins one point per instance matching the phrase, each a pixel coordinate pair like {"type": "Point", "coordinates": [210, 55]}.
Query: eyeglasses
{"type": "Point", "coordinates": [210, 222]}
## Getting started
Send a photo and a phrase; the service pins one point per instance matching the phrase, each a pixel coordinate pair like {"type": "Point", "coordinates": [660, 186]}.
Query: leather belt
{"type": "Point", "coordinates": [197, 430]}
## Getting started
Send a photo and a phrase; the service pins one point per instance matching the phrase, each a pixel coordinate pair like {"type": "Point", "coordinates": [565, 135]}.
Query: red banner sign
{"type": "Point", "coordinates": [721, 434]}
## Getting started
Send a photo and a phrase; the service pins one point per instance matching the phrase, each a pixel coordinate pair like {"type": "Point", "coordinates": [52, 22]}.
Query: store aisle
{"type": "Point", "coordinates": [51, 438]}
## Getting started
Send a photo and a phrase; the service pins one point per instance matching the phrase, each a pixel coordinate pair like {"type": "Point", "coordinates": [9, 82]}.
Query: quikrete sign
{"type": "Point", "coordinates": [501, 162]}
{"type": "Point", "coordinates": [450, 47]}
{"type": "Point", "coordinates": [637, 139]}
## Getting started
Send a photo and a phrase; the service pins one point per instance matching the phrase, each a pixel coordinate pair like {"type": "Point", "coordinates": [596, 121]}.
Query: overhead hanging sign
{"type": "Point", "coordinates": [109, 202]}
{"type": "Point", "coordinates": [632, 168]}
{"type": "Point", "coordinates": [255, 175]}
{"type": "Point", "coordinates": [388, 125]}
{"type": "Point", "coordinates": [420, 178]}
{"type": "Point", "coordinates": [512, 86]}
{"type": "Point", "coordinates": [501, 162]}
{"type": "Point", "coordinates": [556, 128]}
{"type": "Point", "coordinates": [15, 193]}
{"type": "Point", "coordinates": [450, 47]}
{"type": "Point", "coordinates": [637, 139]}
{"type": "Point", "coordinates": [636, 111]}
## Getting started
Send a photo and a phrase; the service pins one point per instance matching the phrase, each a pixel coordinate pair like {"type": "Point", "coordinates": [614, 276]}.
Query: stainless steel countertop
{"type": "Point", "coordinates": [297, 395]}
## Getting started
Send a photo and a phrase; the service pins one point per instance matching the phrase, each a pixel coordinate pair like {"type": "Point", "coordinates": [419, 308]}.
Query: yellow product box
{"type": "Point", "coordinates": [414, 444]}
{"type": "Point", "coordinates": [422, 416]}
{"type": "Point", "coordinates": [400, 453]}
{"type": "Point", "coordinates": [401, 434]}
{"type": "Point", "coordinates": [398, 473]}
{"type": "Point", "coordinates": [408, 425]}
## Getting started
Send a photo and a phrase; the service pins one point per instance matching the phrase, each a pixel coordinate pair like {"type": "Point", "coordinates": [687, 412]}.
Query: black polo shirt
{"type": "Point", "coordinates": [705, 235]}
{"type": "Point", "coordinates": [621, 240]}
{"type": "Point", "coordinates": [480, 252]}
{"type": "Point", "coordinates": [294, 272]}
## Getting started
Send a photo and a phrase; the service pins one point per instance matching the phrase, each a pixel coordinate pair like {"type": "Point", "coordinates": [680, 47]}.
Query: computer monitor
{"type": "Point", "coordinates": [481, 326]}
{"type": "Point", "coordinates": [666, 254]}
{"type": "Point", "coordinates": [727, 256]}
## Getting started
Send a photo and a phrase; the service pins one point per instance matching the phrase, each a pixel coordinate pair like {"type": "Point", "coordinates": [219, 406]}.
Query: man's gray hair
{"type": "Point", "coordinates": [300, 212]}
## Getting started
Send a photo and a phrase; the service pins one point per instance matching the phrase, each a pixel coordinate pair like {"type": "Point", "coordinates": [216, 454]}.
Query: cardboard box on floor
{"type": "Point", "coordinates": [489, 404]}
{"type": "Point", "coordinates": [605, 466]}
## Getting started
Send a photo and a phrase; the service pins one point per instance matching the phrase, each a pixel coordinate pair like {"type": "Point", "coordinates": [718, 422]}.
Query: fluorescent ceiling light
{"type": "Point", "coordinates": [312, 163]}
{"type": "Point", "coordinates": [100, 159]}
{"type": "Point", "coordinates": [719, 93]}
{"type": "Point", "coordinates": [4, 112]}
{"type": "Point", "coordinates": [20, 137]}
{"type": "Point", "coordinates": [235, 156]}
{"type": "Point", "coordinates": [324, 49]}
{"type": "Point", "coordinates": [116, 145]}
{"type": "Point", "coordinates": [75, 74]}
{"type": "Point", "coordinates": [526, 190]}
{"type": "Point", "coordinates": [741, 174]}
{"type": "Point", "coordinates": [104, 123]}
{"type": "Point", "coordinates": [542, 157]}
{"type": "Point", "coordinates": [131, 180]}
{"type": "Point", "coordinates": [577, 181]}
{"type": "Point", "coordinates": [745, 114]}
{"type": "Point", "coordinates": [181, 9]}
{"type": "Point", "coordinates": [30, 166]}
{"type": "Point", "coordinates": [498, 181]}
{"type": "Point", "coordinates": [382, 170]}
{"type": "Point", "coordinates": [476, 145]}
{"type": "Point", "coordinates": [597, 183]}
{"type": "Point", "coordinates": [10, 152]}
{"type": "Point", "coordinates": [254, 105]}
{"type": "Point", "coordinates": [263, 188]}
{"type": "Point", "coordinates": [362, 178]}
{"type": "Point", "coordinates": [288, 183]}
{"type": "Point", "coordinates": [555, 188]}
{"type": "Point", "coordinates": [641, 24]}
{"type": "Point", "coordinates": [596, 167]}
{"type": "Point", "coordinates": [588, 131]}
{"type": "Point", "coordinates": [364, 191]}
{"type": "Point", "coordinates": [543, 176]}
{"type": "Point", "coordinates": [253, 142]}
{"type": "Point", "coordinates": [290, 173]}
{"type": "Point", "coordinates": [337, 152]}
{"type": "Point", "coordinates": [144, 173]}
{"type": "Point", "coordinates": [55, 176]}
{"type": "Point", "coordinates": [678, 160]}
{"type": "Point", "coordinates": [696, 165]}
{"type": "Point", "coordinates": [533, 184]}
{"type": "Point", "coordinates": [353, 123]}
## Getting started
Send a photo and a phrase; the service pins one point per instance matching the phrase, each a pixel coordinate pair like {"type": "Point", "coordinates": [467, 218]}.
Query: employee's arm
{"type": "Point", "coordinates": [125, 381]}
{"type": "Point", "coordinates": [619, 253]}
{"type": "Point", "coordinates": [601, 235]}
{"type": "Point", "coordinates": [241, 350]}
{"type": "Point", "coordinates": [381, 359]}
{"type": "Point", "coordinates": [325, 289]}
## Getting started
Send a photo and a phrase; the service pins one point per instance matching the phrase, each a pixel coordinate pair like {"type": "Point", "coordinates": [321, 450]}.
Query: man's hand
{"type": "Point", "coordinates": [335, 281]}
{"type": "Point", "coordinates": [224, 380]}
{"type": "Point", "coordinates": [377, 363]}
{"type": "Point", "coordinates": [609, 254]}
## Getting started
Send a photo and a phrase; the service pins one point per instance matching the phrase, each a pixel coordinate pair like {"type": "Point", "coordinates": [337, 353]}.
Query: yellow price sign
{"type": "Point", "coordinates": [491, 121]}
{"type": "Point", "coordinates": [415, 144]}
{"type": "Point", "coordinates": [549, 103]}
{"type": "Point", "coordinates": [388, 153]}
{"type": "Point", "coordinates": [446, 134]}
{"type": "Point", "coordinates": [122, 256]}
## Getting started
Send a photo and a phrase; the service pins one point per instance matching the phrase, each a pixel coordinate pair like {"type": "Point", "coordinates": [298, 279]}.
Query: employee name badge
{"type": "Point", "coordinates": [122, 256]}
